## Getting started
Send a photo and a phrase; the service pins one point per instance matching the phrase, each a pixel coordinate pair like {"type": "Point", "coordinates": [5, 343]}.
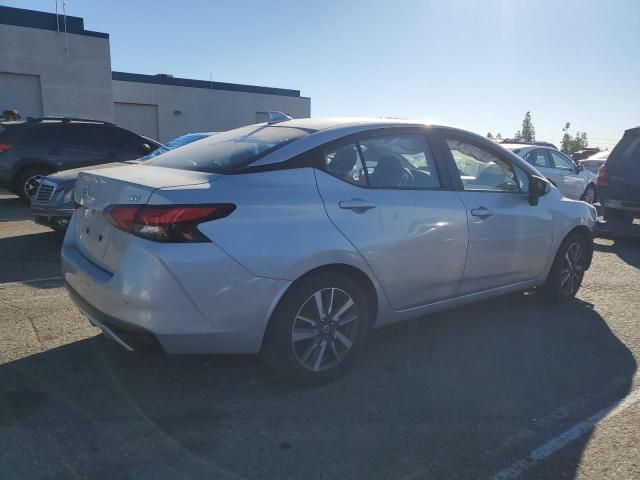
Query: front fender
{"type": "Point", "coordinates": [569, 215]}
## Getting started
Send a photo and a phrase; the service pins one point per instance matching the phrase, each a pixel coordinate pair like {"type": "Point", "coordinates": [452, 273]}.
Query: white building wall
{"type": "Point", "coordinates": [202, 109]}
{"type": "Point", "coordinates": [76, 84]}
{"type": "Point", "coordinates": [45, 72]}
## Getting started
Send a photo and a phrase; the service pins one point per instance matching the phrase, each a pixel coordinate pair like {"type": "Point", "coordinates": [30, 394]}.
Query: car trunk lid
{"type": "Point", "coordinates": [94, 234]}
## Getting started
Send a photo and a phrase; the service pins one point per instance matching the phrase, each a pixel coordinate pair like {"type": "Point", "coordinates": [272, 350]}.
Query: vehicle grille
{"type": "Point", "coordinates": [45, 192]}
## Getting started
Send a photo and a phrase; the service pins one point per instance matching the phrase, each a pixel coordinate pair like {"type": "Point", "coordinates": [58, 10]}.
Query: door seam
{"type": "Point", "coordinates": [324, 206]}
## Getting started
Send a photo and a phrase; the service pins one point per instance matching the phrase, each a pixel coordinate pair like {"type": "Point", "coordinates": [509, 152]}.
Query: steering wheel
{"type": "Point", "coordinates": [407, 179]}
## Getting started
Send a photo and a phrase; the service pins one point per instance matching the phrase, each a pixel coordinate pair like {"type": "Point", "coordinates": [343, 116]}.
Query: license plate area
{"type": "Point", "coordinates": [92, 233]}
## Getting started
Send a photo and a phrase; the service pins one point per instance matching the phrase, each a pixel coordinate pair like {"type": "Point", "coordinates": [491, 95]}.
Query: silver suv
{"type": "Point", "coordinates": [295, 237]}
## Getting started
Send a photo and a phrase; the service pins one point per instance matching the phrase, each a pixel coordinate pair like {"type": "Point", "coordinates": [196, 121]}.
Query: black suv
{"type": "Point", "coordinates": [618, 180]}
{"type": "Point", "coordinates": [32, 149]}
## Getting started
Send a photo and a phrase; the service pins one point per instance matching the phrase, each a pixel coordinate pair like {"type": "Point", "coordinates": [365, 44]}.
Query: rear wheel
{"type": "Point", "coordinates": [28, 181]}
{"type": "Point", "coordinates": [589, 194]}
{"type": "Point", "coordinates": [617, 216]}
{"type": "Point", "coordinates": [318, 328]}
{"type": "Point", "coordinates": [568, 269]}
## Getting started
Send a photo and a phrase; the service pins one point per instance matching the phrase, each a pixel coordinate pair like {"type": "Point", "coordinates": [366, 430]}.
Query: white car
{"type": "Point", "coordinates": [572, 180]}
{"type": "Point", "coordinates": [595, 161]}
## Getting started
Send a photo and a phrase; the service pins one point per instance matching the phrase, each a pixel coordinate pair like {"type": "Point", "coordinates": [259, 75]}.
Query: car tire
{"type": "Point", "coordinates": [590, 195]}
{"type": "Point", "coordinates": [617, 216]}
{"type": "Point", "coordinates": [301, 342]}
{"type": "Point", "coordinates": [26, 185]}
{"type": "Point", "coordinates": [567, 271]}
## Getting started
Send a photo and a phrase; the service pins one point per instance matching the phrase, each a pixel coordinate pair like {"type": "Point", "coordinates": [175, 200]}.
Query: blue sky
{"type": "Point", "coordinates": [479, 65]}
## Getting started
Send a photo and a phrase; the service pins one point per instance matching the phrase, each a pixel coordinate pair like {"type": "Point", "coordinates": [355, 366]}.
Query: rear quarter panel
{"type": "Point", "coordinates": [279, 228]}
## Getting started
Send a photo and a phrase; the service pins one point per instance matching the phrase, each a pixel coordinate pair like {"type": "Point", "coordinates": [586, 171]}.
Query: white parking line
{"type": "Point", "coordinates": [34, 280]}
{"type": "Point", "coordinates": [565, 438]}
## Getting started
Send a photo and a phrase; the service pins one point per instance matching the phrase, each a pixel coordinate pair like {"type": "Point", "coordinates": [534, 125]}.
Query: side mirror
{"type": "Point", "coordinates": [538, 186]}
{"type": "Point", "coordinates": [579, 168]}
{"type": "Point", "coordinates": [145, 148]}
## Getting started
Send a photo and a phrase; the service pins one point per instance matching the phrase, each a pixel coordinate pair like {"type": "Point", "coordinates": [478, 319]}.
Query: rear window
{"type": "Point", "coordinates": [229, 151]}
{"type": "Point", "coordinates": [9, 133]}
{"type": "Point", "coordinates": [173, 144]}
{"type": "Point", "coordinates": [627, 151]}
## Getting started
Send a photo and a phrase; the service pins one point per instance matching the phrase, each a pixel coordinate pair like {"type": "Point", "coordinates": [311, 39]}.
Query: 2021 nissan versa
{"type": "Point", "coordinates": [293, 238]}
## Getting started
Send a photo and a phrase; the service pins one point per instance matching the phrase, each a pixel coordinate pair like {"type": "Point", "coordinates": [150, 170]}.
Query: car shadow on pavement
{"type": "Point", "coordinates": [12, 209]}
{"type": "Point", "coordinates": [31, 256]}
{"type": "Point", "coordinates": [628, 250]}
{"type": "Point", "coordinates": [460, 394]}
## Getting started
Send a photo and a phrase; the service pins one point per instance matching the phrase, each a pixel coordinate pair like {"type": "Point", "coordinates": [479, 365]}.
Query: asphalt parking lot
{"type": "Point", "coordinates": [509, 388]}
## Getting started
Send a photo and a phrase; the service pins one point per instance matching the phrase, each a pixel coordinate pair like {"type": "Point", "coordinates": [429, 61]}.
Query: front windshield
{"type": "Point", "coordinates": [232, 150]}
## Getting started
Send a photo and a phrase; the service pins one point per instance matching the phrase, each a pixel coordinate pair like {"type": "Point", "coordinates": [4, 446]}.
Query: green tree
{"type": "Point", "coordinates": [499, 137]}
{"type": "Point", "coordinates": [528, 132]}
{"type": "Point", "coordinates": [518, 136]}
{"type": "Point", "coordinates": [490, 135]}
{"type": "Point", "coordinates": [572, 143]}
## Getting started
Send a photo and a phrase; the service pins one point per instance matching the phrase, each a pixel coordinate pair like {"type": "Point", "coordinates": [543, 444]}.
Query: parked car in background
{"type": "Point", "coordinates": [329, 226]}
{"type": "Point", "coordinates": [584, 153]}
{"type": "Point", "coordinates": [595, 161]}
{"type": "Point", "coordinates": [619, 180]}
{"type": "Point", "coordinates": [53, 205]}
{"type": "Point", "coordinates": [35, 148]}
{"type": "Point", "coordinates": [572, 180]}
{"type": "Point", "coordinates": [535, 142]}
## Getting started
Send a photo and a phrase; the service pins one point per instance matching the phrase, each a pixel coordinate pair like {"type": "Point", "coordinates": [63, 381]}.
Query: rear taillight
{"type": "Point", "coordinates": [4, 147]}
{"type": "Point", "coordinates": [166, 223]}
{"type": "Point", "coordinates": [602, 180]}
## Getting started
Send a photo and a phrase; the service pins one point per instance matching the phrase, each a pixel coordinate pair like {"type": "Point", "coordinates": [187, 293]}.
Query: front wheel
{"type": "Point", "coordinates": [28, 182]}
{"type": "Point", "coordinates": [318, 328]}
{"type": "Point", "coordinates": [568, 269]}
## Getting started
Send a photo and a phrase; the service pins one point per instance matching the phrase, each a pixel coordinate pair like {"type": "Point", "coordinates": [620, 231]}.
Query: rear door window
{"type": "Point", "coordinates": [539, 158]}
{"type": "Point", "coordinates": [344, 162]}
{"type": "Point", "coordinates": [562, 163]}
{"type": "Point", "coordinates": [399, 161]}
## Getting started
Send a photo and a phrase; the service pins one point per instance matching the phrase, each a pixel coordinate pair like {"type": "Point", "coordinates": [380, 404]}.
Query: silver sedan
{"type": "Point", "coordinates": [573, 181]}
{"type": "Point", "coordinates": [295, 237]}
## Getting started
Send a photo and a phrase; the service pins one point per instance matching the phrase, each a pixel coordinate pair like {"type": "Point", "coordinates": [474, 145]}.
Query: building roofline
{"type": "Point", "coordinates": [187, 82]}
{"type": "Point", "coordinates": [20, 17]}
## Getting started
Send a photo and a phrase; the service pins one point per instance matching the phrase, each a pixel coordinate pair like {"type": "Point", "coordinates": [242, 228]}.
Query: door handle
{"type": "Point", "coordinates": [54, 151]}
{"type": "Point", "coordinates": [482, 212]}
{"type": "Point", "coordinates": [357, 205]}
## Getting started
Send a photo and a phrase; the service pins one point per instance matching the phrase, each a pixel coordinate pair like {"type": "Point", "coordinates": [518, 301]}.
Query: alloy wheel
{"type": "Point", "coordinates": [572, 269]}
{"type": "Point", "coordinates": [589, 195]}
{"type": "Point", "coordinates": [324, 329]}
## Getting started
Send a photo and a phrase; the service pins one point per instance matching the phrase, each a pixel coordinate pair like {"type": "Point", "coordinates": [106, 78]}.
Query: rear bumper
{"type": "Point", "coordinates": [51, 216]}
{"type": "Point", "coordinates": [631, 207]}
{"type": "Point", "coordinates": [201, 305]}
{"type": "Point", "coordinates": [127, 336]}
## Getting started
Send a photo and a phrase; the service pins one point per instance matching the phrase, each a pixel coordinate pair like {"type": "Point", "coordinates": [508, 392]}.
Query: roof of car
{"type": "Point", "coordinates": [521, 146]}
{"type": "Point", "coordinates": [318, 124]}
{"type": "Point", "coordinates": [598, 156]}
